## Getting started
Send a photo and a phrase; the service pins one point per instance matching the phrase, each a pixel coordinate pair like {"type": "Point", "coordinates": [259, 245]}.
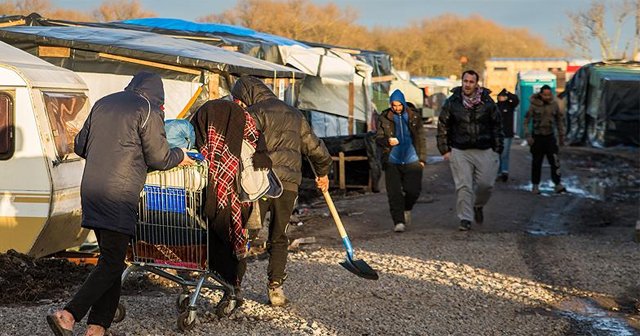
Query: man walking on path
{"type": "Point", "coordinates": [507, 103]}
{"type": "Point", "coordinates": [121, 139]}
{"type": "Point", "coordinates": [545, 116]}
{"type": "Point", "coordinates": [289, 137]}
{"type": "Point", "coordinates": [401, 136]}
{"type": "Point", "coordinates": [470, 137]}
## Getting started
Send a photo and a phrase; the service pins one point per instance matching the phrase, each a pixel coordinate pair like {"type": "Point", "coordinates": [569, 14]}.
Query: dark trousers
{"type": "Point", "coordinates": [222, 257]}
{"type": "Point", "coordinates": [544, 146]}
{"type": "Point", "coordinates": [404, 183]}
{"type": "Point", "coordinates": [278, 243]}
{"type": "Point", "coordinates": [100, 292]}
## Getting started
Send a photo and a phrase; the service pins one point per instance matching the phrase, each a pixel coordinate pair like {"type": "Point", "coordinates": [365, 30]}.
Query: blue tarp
{"type": "Point", "coordinates": [212, 28]}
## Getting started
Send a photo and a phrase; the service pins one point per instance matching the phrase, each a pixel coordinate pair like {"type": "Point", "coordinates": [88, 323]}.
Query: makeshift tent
{"type": "Point", "coordinates": [603, 104]}
{"type": "Point", "coordinates": [335, 94]}
{"type": "Point", "coordinates": [334, 91]}
{"type": "Point", "coordinates": [107, 58]}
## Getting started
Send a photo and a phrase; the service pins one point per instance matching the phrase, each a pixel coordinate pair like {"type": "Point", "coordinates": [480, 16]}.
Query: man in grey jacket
{"type": "Point", "coordinates": [121, 139]}
{"type": "Point", "coordinates": [288, 136]}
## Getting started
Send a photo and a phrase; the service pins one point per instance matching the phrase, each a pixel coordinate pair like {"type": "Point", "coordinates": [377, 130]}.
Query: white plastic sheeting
{"type": "Point", "coordinates": [176, 93]}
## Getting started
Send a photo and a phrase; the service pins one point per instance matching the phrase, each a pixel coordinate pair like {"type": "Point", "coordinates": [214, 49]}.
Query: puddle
{"type": "Point", "coordinates": [614, 188]}
{"type": "Point", "coordinates": [595, 320]}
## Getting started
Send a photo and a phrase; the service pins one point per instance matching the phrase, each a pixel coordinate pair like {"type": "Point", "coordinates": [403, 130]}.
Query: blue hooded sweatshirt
{"type": "Point", "coordinates": [404, 152]}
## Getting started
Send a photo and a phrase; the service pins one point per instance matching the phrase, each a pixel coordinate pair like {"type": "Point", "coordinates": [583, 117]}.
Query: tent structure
{"type": "Point", "coordinates": [106, 59]}
{"type": "Point", "coordinates": [335, 93]}
{"type": "Point", "coordinates": [603, 104]}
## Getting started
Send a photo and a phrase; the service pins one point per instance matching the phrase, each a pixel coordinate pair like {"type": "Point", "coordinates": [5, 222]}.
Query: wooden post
{"type": "Point", "coordinates": [342, 171]}
{"type": "Point", "coordinates": [214, 85]}
{"type": "Point", "coordinates": [351, 107]}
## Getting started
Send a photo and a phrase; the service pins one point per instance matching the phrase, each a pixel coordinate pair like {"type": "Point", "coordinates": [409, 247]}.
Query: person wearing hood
{"type": "Point", "coordinates": [288, 137]}
{"type": "Point", "coordinates": [542, 119]}
{"type": "Point", "coordinates": [507, 103]}
{"type": "Point", "coordinates": [470, 137]}
{"type": "Point", "coordinates": [221, 127]}
{"type": "Point", "coordinates": [122, 138]}
{"type": "Point", "coordinates": [401, 136]}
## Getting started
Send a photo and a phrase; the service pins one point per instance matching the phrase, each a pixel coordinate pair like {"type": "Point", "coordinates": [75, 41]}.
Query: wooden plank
{"type": "Point", "coordinates": [47, 51]}
{"type": "Point", "coordinates": [350, 158]}
{"type": "Point", "coordinates": [150, 63]}
{"type": "Point", "coordinates": [12, 23]}
{"type": "Point", "coordinates": [342, 172]}
{"type": "Point", "coordinates": [386, 78]}
{"type": "Point", "coordinates": [214, 85]}
{"type": "Point", "coordinates": [352, 97]}
{"type": "Point", "coordinates": [190, 103]}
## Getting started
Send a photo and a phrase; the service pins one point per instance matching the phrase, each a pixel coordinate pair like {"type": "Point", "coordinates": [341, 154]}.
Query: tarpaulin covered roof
{"type": "Point", "coordinates": [148, 46]}
{"type": "Point", "coordinates": [212, 28]}
{"type": "Point", "coordinates": [37, 72]}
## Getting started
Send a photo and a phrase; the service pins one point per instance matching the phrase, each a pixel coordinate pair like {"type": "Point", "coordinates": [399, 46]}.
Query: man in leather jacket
{"type": "Point", "coordinates": [470, 137]}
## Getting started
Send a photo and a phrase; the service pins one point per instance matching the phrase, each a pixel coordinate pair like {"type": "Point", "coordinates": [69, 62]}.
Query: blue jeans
{"type": "Point", "coordinates": [504, 157]}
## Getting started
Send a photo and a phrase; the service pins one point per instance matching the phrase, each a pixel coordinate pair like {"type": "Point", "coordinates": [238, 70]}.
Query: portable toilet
{"type": "Point", "coordinates": [529, 83]}
{"type": "Point", "coordinates": [42, 107]}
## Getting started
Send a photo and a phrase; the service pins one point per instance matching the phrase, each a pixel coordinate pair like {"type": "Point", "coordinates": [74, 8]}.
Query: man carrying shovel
{"type": "Point", "coordinates": [288, 136]}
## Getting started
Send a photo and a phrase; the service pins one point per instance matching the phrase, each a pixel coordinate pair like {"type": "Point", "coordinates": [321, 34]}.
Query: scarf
{"type": "Point", "coordinates": [220, 128]}
{"type": "Point", "coordinates": [474, 100]}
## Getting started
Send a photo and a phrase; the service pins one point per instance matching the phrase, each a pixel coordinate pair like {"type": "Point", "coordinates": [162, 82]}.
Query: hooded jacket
{"type": "Point", "coordinates": [412, 145]}
{"type": "Point", "coordinates": [507, 110]}
{"type": "Point", "coordinates": [121, 139]}
{"type": "Point", "coordinates": [543, 115]}
{"type": "Point", "coordinates": [477, 128]}
{"type": "Point", "coordinates": [286, 131]}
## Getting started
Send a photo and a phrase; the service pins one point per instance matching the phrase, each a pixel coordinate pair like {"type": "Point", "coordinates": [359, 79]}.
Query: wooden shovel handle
{"type": "Point", "coordinates": [334, 214]}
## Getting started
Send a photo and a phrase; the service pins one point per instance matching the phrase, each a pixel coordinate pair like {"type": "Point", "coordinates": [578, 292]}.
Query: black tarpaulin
{"type": "Point", "coordinates": [146, 46]}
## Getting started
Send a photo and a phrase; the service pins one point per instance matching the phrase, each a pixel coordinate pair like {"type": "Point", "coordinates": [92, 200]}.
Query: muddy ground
{"type": "Point", "coordinates": [540, 265]}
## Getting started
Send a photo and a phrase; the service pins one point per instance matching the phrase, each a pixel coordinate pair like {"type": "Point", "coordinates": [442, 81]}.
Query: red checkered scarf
{"type": "Point", "coordinates": [223, 170]}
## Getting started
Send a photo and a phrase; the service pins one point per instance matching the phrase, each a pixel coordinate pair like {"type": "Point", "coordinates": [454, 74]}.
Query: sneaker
{"type": "Point", "coordinates": [465, 225]}
{"type": "Point", "coordinates": [478, 215]}
{"type": "Point", "coordinates": [504, 177]}
{"type": "Point", "coordinates": [399, 227]}
{"type": "Point", "coordinates": [276, 295]}
{"type": "Point", "coordinates": [560, 188]}
{"type": "Point", "coordinates": [407, 217]}
{"type": "Point", "coordinates": [535, 190]}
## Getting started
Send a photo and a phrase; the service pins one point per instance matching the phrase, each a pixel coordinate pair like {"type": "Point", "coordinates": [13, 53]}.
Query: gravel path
{"type": "Point", "coordinates": [445, 284]}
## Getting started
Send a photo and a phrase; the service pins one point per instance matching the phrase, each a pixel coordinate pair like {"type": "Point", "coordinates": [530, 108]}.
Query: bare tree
{"type": "Point", "coordinates": [121, 10]}
{"type": "Point", "coordinates": [590, 24]}
{"type": "Point", "coordinates": [24, 7]}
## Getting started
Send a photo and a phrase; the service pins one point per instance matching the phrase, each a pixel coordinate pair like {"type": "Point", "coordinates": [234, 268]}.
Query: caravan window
{"type": "Point", "coordinates": [67, 113]}
{"type": "Point", "coordinates": [6, 126]}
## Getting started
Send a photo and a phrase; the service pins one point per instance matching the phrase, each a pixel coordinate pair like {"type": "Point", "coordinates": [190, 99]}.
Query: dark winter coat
{"type": "Point", "coordinates": [387, 129]}
{"type": "Point", "coordinates": [507, 110]}
{"type": "Point", "coordinates": [286, 131]}
{"type": "Point", "coordinates": [476, 128]}
{"type": "Point", "coordinates": [543, 118]}
{"type": "Point", "coordinates": [121, 139]}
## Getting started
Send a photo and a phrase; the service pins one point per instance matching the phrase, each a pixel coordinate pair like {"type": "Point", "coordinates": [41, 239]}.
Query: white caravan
{"type": "Point", "coordinates": [42, 107]}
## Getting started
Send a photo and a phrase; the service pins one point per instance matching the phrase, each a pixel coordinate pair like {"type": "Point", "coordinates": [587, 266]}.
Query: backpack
{"type": "Point", "coordinates": [253, 183]}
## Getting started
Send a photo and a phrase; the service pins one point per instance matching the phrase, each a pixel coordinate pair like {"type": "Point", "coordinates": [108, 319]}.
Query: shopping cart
{"type": "Point", "coordinates": [171, 234]}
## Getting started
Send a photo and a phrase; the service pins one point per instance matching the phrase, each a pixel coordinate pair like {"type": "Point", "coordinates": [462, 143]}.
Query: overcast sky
{"type": "Point", "coordinates": [547, 18]}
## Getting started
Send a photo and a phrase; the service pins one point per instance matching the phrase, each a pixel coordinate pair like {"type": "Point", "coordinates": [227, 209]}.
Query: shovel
{"type": "Point", "coordinates": [356, 266]}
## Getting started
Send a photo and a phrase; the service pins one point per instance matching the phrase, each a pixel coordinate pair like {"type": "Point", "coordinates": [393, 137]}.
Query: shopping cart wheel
{"type": "Point", "coordinates": [187, 320]}
{"type": "Point", "coordinates": [121, 312]}
{"type": "Point", "coordinates": [182, 302]}
{"type": "Point", "coordinates": [226, 307]}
